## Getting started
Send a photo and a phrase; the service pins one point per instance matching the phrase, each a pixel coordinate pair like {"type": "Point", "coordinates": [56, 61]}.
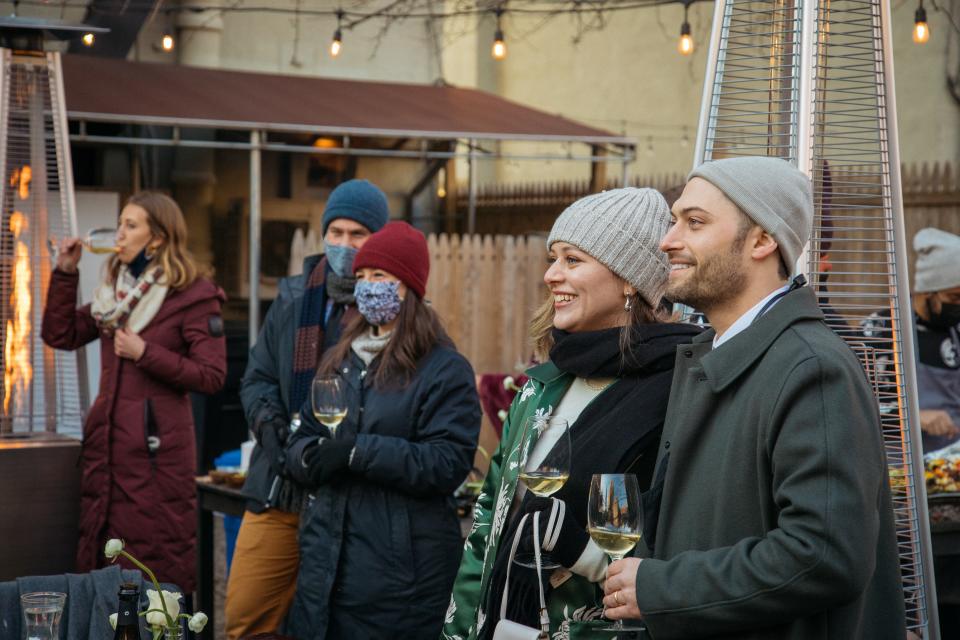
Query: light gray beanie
{"type": "Point", "coordinates": [938, 260]}
{"type": "Point", "coordinates": [771, 192]}
{"type": "Point", "coordinates": [622, 229]}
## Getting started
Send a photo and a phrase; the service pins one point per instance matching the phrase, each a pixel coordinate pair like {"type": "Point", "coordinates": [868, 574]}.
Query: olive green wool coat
{"type": "Point", "coordinates": [776, 519]}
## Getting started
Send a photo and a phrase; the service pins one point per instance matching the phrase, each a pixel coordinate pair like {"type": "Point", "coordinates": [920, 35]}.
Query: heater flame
{"type": "Point", "coordinates": [16, 353]}
{"type": "Point", "coordinates": [20, 178]}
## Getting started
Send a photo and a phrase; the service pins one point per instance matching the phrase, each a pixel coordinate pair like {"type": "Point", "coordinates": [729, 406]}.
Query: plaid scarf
{"type": "Point", "coordinates": [309, 340]}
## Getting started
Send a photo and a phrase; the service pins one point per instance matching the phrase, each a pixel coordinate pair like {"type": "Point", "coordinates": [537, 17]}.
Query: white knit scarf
{"type": "Point", "coordinates": [130, 302]}
{"type": "Point", "coordinates": [368, 346]}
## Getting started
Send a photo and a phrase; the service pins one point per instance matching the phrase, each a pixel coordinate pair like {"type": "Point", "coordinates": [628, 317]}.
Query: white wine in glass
{"type": "Point", "coordinates": [544, 467]}
{"type": "Point", "coordinates": [545, 454]}
{"type": "Point", "coordinates": [329, 401]}
{"type": "Point", "coordinates": [615, 518]}
{"type": "Point", "coordinates": [101, 241]}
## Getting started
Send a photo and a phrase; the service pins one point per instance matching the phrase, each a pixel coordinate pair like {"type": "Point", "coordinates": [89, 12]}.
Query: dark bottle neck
{"type": "Point", "coordinates": [128, 623]}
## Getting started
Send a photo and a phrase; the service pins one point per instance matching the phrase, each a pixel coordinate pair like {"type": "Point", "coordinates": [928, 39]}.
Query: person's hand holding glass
{"type": "Point", "coordinates": [329, 401]}
{"type": "Point", "coordinates": [101, 241]}
{"type": "Point", "coordinates": [615, 517]}
{"type": "Point", "coordinates": [544, 466]}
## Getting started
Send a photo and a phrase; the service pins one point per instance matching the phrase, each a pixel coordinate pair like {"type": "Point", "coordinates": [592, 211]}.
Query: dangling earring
{"type": "Point", "coordinates": [149, 253]}
{"type": "Point", "coordinates": [628, 305]}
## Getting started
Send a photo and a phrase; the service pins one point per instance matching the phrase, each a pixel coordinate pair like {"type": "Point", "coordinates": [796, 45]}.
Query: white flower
{"type": "Point", "coordinates": [113, 548]}
{"type": "Point", "coordinates": [197, 622]}
{"type": "Point", "coordinates": [527, 391]}
{"type": "Point", "coordinates": [113, 621]}
{"type": "Point", "coordinates": [156, 617]}
{"type": "Point", "coordinates": [502, 415]}
{"type": "Point", "coordinates": [508, 383]}
{"type": "Point", "coordinates": [543, 414]}
{"type": "Point", "coordinates": [451, 610]}
{"type": "Point", "coordinates": [500, 512]}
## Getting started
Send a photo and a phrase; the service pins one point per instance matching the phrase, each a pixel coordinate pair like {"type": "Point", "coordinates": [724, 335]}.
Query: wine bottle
{"type": "Point", "coordinates": [128, 622]}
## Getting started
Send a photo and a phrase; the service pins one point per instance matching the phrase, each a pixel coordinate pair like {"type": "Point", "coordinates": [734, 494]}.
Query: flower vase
{"type": "Point", "coordinates": [173, 633]}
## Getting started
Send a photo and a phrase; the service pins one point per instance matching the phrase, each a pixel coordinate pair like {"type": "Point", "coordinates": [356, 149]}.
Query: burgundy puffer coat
{"type": "Point", "coordinates": [146, 498]}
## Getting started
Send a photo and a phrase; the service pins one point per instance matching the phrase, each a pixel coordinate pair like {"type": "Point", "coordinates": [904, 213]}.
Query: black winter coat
{"type": "Point", "coordinates": [379, 547]}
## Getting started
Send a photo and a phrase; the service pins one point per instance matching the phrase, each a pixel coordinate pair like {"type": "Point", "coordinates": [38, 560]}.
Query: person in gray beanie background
{"type": "Point", "coordinates": [770, 516]}
{"type": "Point", "coordinates": [304, 320]}
{"type": "Point", "coordinates": [936, 305]}
{"type": "Point", "coordinates": [609, 354]}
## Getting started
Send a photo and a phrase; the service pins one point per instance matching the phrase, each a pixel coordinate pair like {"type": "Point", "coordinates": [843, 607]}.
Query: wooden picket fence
{"type": "Point", "coordinates": [486, 287]}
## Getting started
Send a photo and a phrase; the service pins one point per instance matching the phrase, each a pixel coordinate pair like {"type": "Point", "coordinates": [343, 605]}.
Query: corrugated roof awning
{"type": "Point", "coordinates": [102, 89]}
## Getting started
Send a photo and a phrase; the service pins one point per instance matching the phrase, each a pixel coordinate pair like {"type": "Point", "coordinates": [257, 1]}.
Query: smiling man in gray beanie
{"type": "Point", "coordinates": [774, 518]}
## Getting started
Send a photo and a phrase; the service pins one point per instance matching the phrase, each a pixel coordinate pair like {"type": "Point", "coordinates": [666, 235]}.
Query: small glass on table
{"type": "Point", "coordinates": [41, 614]}
{"type": "Point", "coordinates": [615, 519]}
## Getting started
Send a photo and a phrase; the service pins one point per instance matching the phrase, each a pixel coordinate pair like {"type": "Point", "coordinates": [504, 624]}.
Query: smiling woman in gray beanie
{"type": "Point", "coordinates": [610, 362]}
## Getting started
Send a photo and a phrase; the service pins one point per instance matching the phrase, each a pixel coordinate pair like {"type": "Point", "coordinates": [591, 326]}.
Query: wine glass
{"type": "Point", "coordinates": [102, 240]}
{"type": "Point", "coordinates": [329, 400]}
{"type": "Point", "coordinates": [615, 518]}
{"type": "Point", "coordinates": [544, 466]}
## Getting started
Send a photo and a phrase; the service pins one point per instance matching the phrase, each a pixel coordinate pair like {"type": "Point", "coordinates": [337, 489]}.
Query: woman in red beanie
{"type": "Point", "coordinates": [380, 540]}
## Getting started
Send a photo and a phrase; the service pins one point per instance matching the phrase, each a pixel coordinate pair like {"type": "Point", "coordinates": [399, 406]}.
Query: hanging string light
{"type": "Point", "coordinates": [167, 43]}
{"type": "Point", "coordinates": [499, 50]}
{"type": "Point", "coordinates": [88, 39]}
{"type": "Point", "coordinates": [685, 44]}
{"type": "Point", "coordinates": [921, 30]}
{"type": "Point", "coordinates": [337, 44]}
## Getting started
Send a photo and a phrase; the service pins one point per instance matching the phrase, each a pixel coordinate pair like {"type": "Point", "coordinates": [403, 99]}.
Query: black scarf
{"type": "Point", "coordinates": [618, 435]}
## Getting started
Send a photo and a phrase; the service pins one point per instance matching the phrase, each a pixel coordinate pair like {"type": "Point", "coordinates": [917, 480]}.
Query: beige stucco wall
{"type": "Point", "coordinates": [628, 78]}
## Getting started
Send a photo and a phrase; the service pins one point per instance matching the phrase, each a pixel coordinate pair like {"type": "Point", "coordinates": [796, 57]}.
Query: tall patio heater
{"type": "Point", "coordinates": [811, 81]}
{"type": "Point", "coordinates": [44, 391]}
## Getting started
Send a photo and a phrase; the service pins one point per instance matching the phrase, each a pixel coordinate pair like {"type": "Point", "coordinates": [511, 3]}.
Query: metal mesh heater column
{"type": "Point", "coordinates": [42, 388]}
{"type": "Point", "coordinates": [811, 81]}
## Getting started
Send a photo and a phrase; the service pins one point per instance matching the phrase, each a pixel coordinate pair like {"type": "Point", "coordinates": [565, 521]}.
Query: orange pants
{"type": "Point", "coordinates": [263, 575]}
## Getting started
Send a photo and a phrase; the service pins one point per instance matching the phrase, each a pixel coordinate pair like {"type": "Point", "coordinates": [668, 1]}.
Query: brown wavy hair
{"type": "Point", "coordinates": [417, 331]}
{"type": "Point", "coordinates": [167, 223]}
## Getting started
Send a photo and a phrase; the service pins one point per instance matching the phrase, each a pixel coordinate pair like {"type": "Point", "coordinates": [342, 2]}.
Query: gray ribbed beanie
{"type": "Point", "coordinates": [622, 229]}
{"type": "Point", "coordinates": [938, 260]}
{"type": "Point", "coordinates": [771, 192]}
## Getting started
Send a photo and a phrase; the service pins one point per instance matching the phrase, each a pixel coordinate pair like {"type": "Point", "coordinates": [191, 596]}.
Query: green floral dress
{"type": "Point", "coordinates": [575, 605]}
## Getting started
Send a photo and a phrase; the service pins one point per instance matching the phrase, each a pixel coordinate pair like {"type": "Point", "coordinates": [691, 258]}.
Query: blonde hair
{"type": "Point", "coordinates": [541, 325]}
{"type": "Point", "coordinates": [166, 223]}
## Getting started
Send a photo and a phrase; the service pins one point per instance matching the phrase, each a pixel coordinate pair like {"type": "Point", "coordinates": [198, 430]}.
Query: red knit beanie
{"type": "Point", "coordinates": [400, 250]}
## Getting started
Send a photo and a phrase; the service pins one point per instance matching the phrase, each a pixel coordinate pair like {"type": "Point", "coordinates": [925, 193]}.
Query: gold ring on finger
{"type": "Point", "coordinates": [616, 597]}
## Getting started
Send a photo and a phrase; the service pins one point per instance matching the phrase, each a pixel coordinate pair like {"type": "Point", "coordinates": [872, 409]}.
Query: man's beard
{"type": "Point", "coordinates": [715, 280]}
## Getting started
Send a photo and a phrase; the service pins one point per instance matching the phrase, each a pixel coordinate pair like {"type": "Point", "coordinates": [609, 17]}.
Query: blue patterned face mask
{"type": "Point", "coordinates": [340, 258]}
{"type": "Point", "coordinates": [377, 302]}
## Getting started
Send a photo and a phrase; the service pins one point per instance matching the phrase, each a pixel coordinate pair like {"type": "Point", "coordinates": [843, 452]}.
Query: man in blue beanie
{"type": "Point", "coordinates": [307, 317]}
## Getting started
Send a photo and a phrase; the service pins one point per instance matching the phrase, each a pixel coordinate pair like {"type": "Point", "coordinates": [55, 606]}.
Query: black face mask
{"type": "Point", "coordinates": [949, 316]}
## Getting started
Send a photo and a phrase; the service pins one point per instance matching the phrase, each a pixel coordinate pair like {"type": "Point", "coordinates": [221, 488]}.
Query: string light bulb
{"type": "Point", "coordinates": [921, 30]}
{"type": "Point", "coordinates": [337, 43]}
{"type": "Point", "coordinates": [88, 39]}
{"type": "Point", "coordinates": [499, 50]}
{"type": "Point", "coordinates": [685, 44]}
{"type": "Point", "coordinates": [167, 43]}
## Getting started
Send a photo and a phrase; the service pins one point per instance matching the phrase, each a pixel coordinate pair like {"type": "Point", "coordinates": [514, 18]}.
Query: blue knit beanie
{"type": "Point", "coordinates": [360, 201]}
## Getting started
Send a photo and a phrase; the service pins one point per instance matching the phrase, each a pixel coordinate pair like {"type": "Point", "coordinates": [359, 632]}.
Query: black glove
{"type": "Point", "coordinates": [327, 459]}
{"type": "Point", "coordinates": [571, 541]}
{"type": "Point", "coordinates": [272, 436]}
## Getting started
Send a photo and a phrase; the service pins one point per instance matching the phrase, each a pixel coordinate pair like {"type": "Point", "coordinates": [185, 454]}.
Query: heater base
{"type": "Point", "coordinates": [39, 503]}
